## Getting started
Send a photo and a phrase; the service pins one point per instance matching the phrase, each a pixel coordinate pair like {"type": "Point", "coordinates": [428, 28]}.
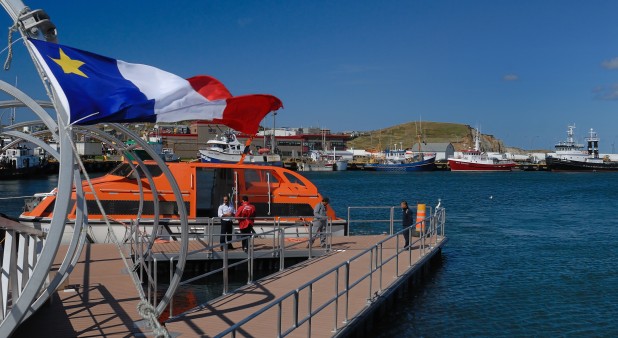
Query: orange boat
{"type": "Point", "coordinates": [281, 197]}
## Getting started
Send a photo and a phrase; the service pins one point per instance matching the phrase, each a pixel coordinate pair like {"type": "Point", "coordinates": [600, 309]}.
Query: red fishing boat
{"type": "Point", "coordinates": [476, 160]}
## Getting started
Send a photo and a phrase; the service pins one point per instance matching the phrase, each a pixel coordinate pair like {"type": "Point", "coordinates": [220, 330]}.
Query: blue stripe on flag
{"type": "Point", "coordinates": [102, 90]}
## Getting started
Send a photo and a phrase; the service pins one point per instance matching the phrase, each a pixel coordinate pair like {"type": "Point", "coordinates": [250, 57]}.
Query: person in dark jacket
{"type": "Point", "coordinates": [406, 222]}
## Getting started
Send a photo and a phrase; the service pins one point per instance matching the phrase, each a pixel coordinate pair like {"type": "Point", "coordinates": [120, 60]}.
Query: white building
{"type": "Point", "coordinates": [443, 150]}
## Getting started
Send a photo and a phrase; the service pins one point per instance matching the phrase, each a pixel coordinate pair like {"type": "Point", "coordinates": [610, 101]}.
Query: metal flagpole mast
{"type": "Point", "coordinates": [36, 24]}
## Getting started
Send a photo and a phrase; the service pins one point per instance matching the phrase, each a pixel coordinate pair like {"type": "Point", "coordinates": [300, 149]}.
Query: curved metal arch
{"type": "Point", "coordinates": [61, 209]}
{"type": "Point", "coordinates": [30, 103]}
{"type": "Point", "coordinates": [30, 138]}
{"type": "Point", "coordinates": [182, 211]}
{"type": "Point", "coordinates": [19, 104]}
{"type": "Point", "coordinates": [115, 143]}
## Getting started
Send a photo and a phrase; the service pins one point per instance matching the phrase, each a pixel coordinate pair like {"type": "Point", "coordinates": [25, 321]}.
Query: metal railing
{"type": "Point", "coordinates": [375, 211]}
{"type": "Point", "coordinates": [382, 215]}
{"type": "Point", "coordinates": [148, 263]}
{"type": "Point", "coordinates": [432, 234]}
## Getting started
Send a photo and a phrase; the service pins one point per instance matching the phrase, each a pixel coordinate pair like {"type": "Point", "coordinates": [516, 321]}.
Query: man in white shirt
{"type": "Point", "coordinates": [226, 210]}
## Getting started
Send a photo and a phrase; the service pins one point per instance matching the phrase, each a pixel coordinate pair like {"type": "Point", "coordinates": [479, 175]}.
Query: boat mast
{"type": "Point", "coordinates": [419, 131]}
{"type": "Point", "coordinates": [570, 139]}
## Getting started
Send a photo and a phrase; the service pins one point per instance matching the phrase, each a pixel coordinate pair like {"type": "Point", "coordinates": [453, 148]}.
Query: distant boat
{"type": "Point", "coordinates": [319, 160]}
{"type": "Point", "coordinates": [571, 156]}
{"type": "Point", "coordinates": [227, 149]}
{"type": "Point", "coordinates": [166, 154]}
{"type": "Point", "coordinates": [476, 160]}
{"type": "Point", "coordinates": [426, 163]}
{"type": "Point", "coordinates": [20, 162]}
{"type": "Point", "coordinates": [402, 160]}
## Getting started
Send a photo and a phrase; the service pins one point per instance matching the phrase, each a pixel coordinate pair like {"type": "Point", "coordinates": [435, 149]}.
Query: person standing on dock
{"type": "Point", "coordinates": [245, 213]}
{"type": "Point", "coordinates": [226, 210]}
{"type": "Point", "coordinates": [319, 222]}
{"type": "Point", "coordinates": [406, 222]}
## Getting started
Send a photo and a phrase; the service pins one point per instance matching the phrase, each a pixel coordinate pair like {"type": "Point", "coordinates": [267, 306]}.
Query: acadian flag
{"type": "Point", "coordinates": [94, 88]}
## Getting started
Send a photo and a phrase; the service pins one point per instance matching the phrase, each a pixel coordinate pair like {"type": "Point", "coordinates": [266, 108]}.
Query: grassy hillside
{"type": "Point", "coordinates": [407, 134]}
{"type": "Point", "coordinates": [460, 135]}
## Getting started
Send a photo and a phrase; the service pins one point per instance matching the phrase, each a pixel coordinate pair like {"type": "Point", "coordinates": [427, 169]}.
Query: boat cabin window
{"type": "Point", "coordinates": [125, 170]}
{"type": "Point", "coordinates": [293, 179]}
{"type": "Point", "coordinates": [255, 177]}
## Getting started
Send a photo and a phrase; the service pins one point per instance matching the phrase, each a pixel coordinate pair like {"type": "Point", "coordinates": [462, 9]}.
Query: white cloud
{"type": "Point", "coordinates": [510, 77]}
{"type": "Point", "coordinates": [610, 64]}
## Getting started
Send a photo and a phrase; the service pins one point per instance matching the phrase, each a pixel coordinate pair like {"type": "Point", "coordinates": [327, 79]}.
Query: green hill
{"type": "Point", "coordinates": [406, 135]}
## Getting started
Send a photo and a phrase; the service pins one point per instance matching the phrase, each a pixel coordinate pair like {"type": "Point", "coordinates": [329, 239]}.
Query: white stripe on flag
{"type": "Point", "coordinates": [171, 94]}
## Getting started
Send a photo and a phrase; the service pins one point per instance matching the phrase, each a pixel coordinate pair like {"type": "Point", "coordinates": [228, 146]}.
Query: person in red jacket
{"type": "Point", "coordinates": [245, 214]}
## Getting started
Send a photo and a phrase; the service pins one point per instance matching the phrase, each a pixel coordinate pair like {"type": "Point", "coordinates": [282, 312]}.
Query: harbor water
{"type": "Point", "coordinates": [529, 253]}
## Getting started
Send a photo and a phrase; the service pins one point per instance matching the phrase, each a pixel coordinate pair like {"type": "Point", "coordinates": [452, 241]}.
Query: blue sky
{"type": "Point", "coordinates": [521, 70]}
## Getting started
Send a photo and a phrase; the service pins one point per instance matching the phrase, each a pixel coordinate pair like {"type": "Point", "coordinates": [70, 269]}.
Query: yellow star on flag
{"type": "Point", "coordinates": [69, 66]}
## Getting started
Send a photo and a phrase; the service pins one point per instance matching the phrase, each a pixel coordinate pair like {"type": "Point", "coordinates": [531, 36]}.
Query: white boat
{"type": "Point", "coordinates": [337, 162]}
{"type": "Point", "coordinates": [227, 149]}
{"type": "Point", "coordinates": [20, 162]}
{"type": "Point", "coordinates": [319, 160]}
{"type": "Point", "coordinates": [311, 165]}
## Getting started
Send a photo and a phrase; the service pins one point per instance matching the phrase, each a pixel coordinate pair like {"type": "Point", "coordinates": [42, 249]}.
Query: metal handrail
{"type": "Point", "coordinates": [376, 256]}
{"type": "Point", "coordinates": [278, 234]}
{"type": "Point", "coordinates": [390, 220]}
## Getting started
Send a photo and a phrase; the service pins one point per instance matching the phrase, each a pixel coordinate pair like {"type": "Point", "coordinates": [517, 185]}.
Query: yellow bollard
{"type": "Point", "coordinates": [420, 218]}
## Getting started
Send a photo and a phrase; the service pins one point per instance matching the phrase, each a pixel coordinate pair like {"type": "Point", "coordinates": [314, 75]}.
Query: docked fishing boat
{"type": "Point", "coordinates": [20, 162]}
{"type": "Point", "coordinates": [402, 160]}
{"type": "Point", "coordinates": [281, 197]}
{"type": "Point", "coordinates": [418, 162]}
{"type": "Point", "coordinates": [227, 149]}
{"type": "Point", "coordinates": [571, 156]}
{"type": "Point", "coordinates": [476, 160]}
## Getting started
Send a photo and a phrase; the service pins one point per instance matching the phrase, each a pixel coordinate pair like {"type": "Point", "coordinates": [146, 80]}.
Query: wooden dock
{"type": "Point", "coordinates": [100, 298]}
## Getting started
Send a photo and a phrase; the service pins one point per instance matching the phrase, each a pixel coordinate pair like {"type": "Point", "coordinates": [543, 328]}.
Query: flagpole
{"type": "Point", "coordinates": [246, 150]}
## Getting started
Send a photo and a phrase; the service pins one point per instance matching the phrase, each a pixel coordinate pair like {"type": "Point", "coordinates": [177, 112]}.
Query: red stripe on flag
{"type": "Point", "coordinates": [209, 87]}
{"type": "Point", "coordinates": [242, 113]}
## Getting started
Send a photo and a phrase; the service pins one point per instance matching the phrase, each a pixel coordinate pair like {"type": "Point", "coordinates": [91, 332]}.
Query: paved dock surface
{"type": "Point", "coordinates": [101, 300]}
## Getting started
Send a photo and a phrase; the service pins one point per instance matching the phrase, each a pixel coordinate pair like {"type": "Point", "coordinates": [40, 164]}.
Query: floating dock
{"type": "Point", "coordinates": [337, 292]}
